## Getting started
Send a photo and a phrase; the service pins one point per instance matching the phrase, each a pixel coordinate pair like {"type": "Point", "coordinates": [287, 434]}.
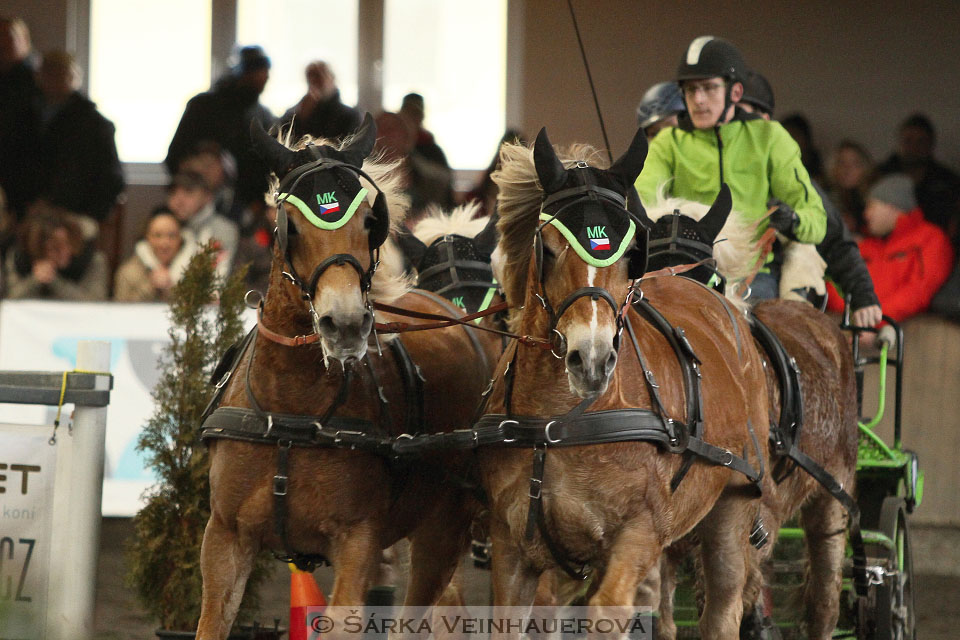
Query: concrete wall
{"type": "Point", "coordinates": [856, 69]}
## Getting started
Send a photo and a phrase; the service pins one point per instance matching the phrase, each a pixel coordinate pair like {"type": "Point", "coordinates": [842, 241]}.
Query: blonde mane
{"type": "Point", "coordinates": [390, 282]}
{"type": "Point", "coordinates": [518, 203]}
{"type": "Point", "coordinates": [460, 221]}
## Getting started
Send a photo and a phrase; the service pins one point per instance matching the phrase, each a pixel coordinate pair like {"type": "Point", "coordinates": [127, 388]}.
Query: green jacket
{"type": "Point", "coordinates": [760, 161]}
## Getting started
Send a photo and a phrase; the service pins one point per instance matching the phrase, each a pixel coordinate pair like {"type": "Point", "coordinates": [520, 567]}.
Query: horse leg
{"type": "Point", "coordinates": [824, 526]}
{"type": "Point", "coordinates": [356, 558]}
{"type": "Point", "coordinates": [724, 545]}
{"type": "Point", "coordinates": [436, 547]}
{"type": "Point", "coordinates": [667, 577]}
{"type": "Point", "coordinates": [226, 559]}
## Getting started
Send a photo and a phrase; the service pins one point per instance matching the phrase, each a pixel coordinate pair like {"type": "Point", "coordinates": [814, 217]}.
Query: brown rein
{"type": "Point", "coordinates": [442, 322]}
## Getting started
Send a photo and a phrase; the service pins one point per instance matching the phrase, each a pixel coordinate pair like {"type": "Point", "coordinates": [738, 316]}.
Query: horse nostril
{"type": "Point", "coordinates": [327, 325]}
{"type": "Point", "coordinates": [611, 362]}
{"type": "Point", "coordinates": [574, 361]}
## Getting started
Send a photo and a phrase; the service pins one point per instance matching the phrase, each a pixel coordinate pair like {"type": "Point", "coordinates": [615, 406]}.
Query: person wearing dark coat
{"type": "Point", "coordinates": [223, 115]}
{"type": "Point", "coordinates": [78, 168]}
{"type": "Point", "coordinates": [19, 116]}
{"type": "Point", "coordinates": [320, 113]}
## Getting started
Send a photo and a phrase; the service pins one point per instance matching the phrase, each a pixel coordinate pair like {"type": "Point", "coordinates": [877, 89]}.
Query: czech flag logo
{"type": "Point", "coordinates": [599, 243]}
{"type": "Point", "coordinates": [333, 207]}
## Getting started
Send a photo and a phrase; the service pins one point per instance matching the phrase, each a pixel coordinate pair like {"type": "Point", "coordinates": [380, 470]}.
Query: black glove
{"type": "Point", "coordinates": [784, 219]}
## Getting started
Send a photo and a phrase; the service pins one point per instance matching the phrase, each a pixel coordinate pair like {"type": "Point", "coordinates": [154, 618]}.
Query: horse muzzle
{"type": "Point", "coordinates": [590, 365]}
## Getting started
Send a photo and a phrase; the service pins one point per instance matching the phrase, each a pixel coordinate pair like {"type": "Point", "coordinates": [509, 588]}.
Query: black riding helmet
{"type": "Point", "coordinates": [758, 92]}
{"type": "Point", "coordinates": [712, 57]}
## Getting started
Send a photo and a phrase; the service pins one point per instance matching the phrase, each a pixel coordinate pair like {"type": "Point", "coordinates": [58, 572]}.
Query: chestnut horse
{"type": "Point", "coordinates": [684, 231]}
{"type": "Point", "coordinates": [611, 505]}
{"type": "Point", "coordinates": [285, 476]}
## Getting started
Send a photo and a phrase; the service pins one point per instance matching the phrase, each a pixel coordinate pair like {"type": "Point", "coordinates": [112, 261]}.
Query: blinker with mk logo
{"type": "Point", "coordinates": [321, 198]}
{"type": "Point", "coordinates": [598, 228]}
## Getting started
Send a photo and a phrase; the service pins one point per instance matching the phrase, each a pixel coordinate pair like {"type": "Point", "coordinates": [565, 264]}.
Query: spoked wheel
{"type": "Point", "coordinates": [895, 610]}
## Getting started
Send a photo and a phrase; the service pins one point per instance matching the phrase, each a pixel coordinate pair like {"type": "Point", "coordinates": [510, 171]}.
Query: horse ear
{"type": "Point", "coordinates": [362, 142]}
{"type": "Point", "coordinates": [411, 246]}
{"type": "Point", "coordinates": [486, 241]}
{"type": "Point", "coordinates": [279, 159]}
{"type": "Point", "coordinates": [711, 223]}
{"type": "Point", "coordinates": [549, 168]}
{"type": "Point", "coordinates": [630, 164]}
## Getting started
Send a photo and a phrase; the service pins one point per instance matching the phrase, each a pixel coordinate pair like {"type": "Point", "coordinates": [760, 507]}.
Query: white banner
{"type": "Point", "coordinates": [27, 473]}
{"type": "Point", "coordinates": [42, 336]}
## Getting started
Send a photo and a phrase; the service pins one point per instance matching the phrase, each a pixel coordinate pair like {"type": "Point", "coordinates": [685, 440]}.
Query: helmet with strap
{"type": "Point", "coordinates": [711, 57]}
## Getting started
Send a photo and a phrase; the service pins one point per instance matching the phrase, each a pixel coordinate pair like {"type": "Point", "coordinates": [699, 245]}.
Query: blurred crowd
{"type": "Point", "coordinates": [61, 179]}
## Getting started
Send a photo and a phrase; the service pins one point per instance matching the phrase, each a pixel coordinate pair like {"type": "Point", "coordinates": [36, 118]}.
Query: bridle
{"type": "Point", "coordinates": [587, 192]}
{"type": "Point", "coordinates": [675, 244]}
{"type": "Point", "coordinates": [377, 235]}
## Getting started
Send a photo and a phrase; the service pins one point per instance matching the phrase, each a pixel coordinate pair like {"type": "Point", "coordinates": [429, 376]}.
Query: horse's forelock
{"type": "Point", "coordinates": [458, 221]}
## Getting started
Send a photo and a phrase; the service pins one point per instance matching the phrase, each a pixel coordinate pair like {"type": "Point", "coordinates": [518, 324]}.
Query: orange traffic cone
{"type": "Point", "coordinates": [305, 598]}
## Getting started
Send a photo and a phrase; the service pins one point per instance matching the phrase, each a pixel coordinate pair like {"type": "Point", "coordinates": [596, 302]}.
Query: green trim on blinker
{"type": "Point", "coordinates": [487, 299]}
{"type": "Point", "coordinates": [578, 247]}
{"type": "Point", "coordinates": [318, 222]}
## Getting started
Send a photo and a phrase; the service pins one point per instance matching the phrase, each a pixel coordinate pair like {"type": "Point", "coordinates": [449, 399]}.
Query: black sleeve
{"type": "Point", "coordinates": [189, 131]}
{"type": "Point", "coordinates": [845, 265]}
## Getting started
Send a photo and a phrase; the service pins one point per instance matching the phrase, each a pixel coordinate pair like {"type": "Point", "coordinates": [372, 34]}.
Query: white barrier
{"type": "Point", "coordinates": [53, 528]}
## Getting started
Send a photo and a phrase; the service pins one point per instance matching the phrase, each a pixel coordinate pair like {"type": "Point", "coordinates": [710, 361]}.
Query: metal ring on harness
{"type": "Point", "coordinates": [727, 458]}
{"type": "Point", "coordinates": [503, 422]}
{"type": "Point", "coordinates": [563, 345]}
{"type": "Point", "coordinates": [546, 432]}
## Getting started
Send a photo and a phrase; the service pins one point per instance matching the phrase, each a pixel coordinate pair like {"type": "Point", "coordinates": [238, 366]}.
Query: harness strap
{"type": "Point", "coordinates": [412, 386]}
{"type": "Point", "coordinates": [836, 489]}
{"type": "Point", "coordinates": [295, 341]}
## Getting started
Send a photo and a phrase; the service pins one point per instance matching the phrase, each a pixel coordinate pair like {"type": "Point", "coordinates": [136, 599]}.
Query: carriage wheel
{"type": "Point", "coordinates": [895, 611]}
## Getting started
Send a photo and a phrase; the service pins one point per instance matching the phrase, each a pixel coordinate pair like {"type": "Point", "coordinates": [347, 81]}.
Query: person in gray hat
{"type": "Point", "coordinates": [908, 258]}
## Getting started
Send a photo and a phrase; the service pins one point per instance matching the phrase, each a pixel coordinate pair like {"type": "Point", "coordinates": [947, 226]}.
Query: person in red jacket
{"type": "Point", "coordinates": [908, 258]}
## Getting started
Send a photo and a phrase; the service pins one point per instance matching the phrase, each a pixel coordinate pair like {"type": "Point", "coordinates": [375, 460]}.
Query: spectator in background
{"type": "Point", "coordinates": [218, 168]}
{"type": "Point", "coordinates": [223, 115]}
{"type": "Point", "coordinates": [255, 251]}
{"type": "Point", "coordinates": [19, 115]}
{"type": "Point", "coordinates": [936, 187]}
{"type": "Point", "coordinates": [485, 191]}
{"type": "Point", "coordinates": [320, 112]}
{"type": "Point", "coordinates": [158, 260]}
{"type": "Point", "coordinates": [850, 174]}
{"type": "Point", "coordinates": [52, 260]}
{"type": "Point", "coordinates": [427, 182]}
{"type": "Point", "coordinates": [660, 108]}
{"type": "Point", "coordinates": [412, 110]}
{"type": "Point", "coordinates": [191, 201]}
{"type": "Point", "coordinates": [799, 129]}
{"type": "Point", "coordinates": [908, 257]}
{"type": "Point", "coordinates": [78, 167]}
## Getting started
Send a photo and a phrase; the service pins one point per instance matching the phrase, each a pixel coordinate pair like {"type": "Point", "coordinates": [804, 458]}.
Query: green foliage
{"type": "Point", "coordinates": [164, 557]}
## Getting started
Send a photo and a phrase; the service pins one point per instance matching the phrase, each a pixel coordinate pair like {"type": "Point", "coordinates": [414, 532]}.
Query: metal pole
{"type": "Point", "coordinates": [75, 540]}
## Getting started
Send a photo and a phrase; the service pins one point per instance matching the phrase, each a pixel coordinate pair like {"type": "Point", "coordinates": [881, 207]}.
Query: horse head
{"type": "Point", "coordinates": [451, 252]}
{"type": "Point", "coordinates": [329, 230]}
{"type": "Point", "coordinates": [687, 233]}
{"type": "Point", "coordinates": [585, 228]}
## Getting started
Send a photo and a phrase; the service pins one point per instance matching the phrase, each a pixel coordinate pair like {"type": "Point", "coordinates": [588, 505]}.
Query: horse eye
{"type": "Point", "coordinates": [368, 221]}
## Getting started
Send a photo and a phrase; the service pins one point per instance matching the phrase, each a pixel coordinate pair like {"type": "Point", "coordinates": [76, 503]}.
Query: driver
{"type": "Point", "coordinates": [715, 142]}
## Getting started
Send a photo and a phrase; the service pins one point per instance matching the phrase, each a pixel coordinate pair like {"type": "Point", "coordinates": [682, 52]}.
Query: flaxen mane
{"type": "Point", "coordinates": [390, 282]}
{"type": "Point", "coordinates": [460, 221]}
{"type": "Point", "coordinates": [519, 206]}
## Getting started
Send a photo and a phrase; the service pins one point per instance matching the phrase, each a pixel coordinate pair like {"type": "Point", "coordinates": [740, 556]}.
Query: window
{"type": "Point", "coordinates": [146, 60]}
{"type": "Point", "coordinates": [296, 32]}
{"type": "Point", "coordinates": [454, 54]}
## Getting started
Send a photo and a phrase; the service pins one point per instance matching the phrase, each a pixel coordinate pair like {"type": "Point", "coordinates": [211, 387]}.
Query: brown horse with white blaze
{"type": "Point", "coordinates": [295, 465]}
{"type": "Point", "coordinates": [611, 505]}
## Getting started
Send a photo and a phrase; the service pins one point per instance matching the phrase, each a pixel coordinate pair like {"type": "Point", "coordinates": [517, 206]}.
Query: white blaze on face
{"type": "Point", "coordinates": [591, 276]}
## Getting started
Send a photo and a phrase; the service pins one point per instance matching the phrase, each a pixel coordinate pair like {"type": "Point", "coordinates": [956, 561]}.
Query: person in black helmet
{"type": "Point", "coordinates": [717, 143]}
{"type": "Point", "coordinates": [845, 265]}
{"type": "Point", "coordinates": [659, 108]}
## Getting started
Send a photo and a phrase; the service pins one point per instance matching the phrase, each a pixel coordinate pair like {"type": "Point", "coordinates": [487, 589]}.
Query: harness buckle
{"type": "Point", "coordinates": [223, 380]}
{"type": "Point", "coordinates": [726, 458]}
{"type": "Point", "coordinates": [500, 426]}
{"type": "Point", "coordinates": [280, 485]}
{"type": "Point", "coordinates": [543, 301]}
{"type": "Point", "coordinates": [546, 432]}
{"type": "Point", "coordinates": [269, 425]}
{"type": "Point", "coordinates": [536, 488]}
{"type": "Point", "coordinates": [651, 380]}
